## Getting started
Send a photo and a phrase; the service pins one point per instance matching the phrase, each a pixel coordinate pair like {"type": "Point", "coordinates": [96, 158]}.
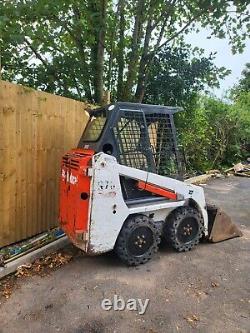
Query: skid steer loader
{"type": "Point", "coordinates": [123, 188]}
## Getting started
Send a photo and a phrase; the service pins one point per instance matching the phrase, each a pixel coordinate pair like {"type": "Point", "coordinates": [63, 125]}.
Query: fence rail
{"type": "Point", "coordinates": [36, 128]}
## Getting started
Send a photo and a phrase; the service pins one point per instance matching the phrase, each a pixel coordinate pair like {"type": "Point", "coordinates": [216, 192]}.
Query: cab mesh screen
{"type": "Point", "coordinates": [146, 142]}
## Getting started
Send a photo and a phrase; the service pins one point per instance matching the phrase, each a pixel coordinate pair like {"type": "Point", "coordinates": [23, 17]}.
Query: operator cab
{"type": "Point", "coordinates": [141, 136]}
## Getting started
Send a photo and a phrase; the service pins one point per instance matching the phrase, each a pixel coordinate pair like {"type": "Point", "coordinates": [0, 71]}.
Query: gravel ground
{"type": "Point", "coordinates": [205, 290]}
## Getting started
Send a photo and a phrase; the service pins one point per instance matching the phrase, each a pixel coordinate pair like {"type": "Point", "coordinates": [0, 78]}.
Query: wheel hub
{"type": "Point", "coordinates": [187, 230]}
{"type": "Point", "coordinates": [140, 240]}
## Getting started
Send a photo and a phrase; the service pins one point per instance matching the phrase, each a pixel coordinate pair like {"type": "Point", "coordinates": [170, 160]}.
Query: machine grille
{"type": "Point", "coordinates": [146, 141]}
{"type": "Point", "coordinates": [71, 163]}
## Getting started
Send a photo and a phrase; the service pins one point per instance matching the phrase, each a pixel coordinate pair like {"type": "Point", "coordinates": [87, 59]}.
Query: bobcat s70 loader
{"type": "Point", "coordinates": [123, 188]}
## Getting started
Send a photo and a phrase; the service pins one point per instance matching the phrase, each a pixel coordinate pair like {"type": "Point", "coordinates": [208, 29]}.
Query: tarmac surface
{"type": "Point", "coordinates": [204, 290]}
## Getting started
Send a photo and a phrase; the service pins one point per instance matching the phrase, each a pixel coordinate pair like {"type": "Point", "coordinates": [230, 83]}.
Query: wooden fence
{"type": "Point", "coordinates": [36, 128]}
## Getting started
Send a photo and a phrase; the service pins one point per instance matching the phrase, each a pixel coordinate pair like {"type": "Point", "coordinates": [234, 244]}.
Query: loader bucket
{"type": "Point", "coordinates": [220, 225]}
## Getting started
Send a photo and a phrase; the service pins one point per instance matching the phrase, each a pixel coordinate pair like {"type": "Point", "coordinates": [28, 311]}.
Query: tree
{"type": "Point", "coordinates": [55, 46]}
{"type": "Point", "coordinates": [215, 134]}
{"type": "Point", "coordinates": [161, 23]}
{"type": "Point", "coordinates": [244, 83]}
{"type": "Point", "coordinates": [177, 74]}
{"type": "Point", "coordinates": [77, 48]}
{"type": "Point", "coordinates": [97, 23]}
{"type": "Point", "coordinates": [212, 132]}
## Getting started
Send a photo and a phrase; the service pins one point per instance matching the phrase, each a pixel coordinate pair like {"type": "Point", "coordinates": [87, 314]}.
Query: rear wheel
{"type": "Point", "coordinates": [138, 240]}
{"type": "Point", "coordinates": [183, 228]}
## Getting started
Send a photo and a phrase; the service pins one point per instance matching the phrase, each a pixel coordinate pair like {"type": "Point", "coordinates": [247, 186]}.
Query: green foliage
{"type": "Point", "coordinates": [39, 49]}
{"type": "Point", "coordinates": [244, 83]}
{"type": "Point", "coordinates": [177, 74]}
{"type": "Point", "coordinates": [215, 133]}
{"type": "Point", "coordinates": [78, 48]}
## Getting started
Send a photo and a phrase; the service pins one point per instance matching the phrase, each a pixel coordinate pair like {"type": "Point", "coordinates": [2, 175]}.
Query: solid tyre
{"type": "Point", "coordinates": [183, 228]}
{"type": "Point", "coordinates": [138, 240]}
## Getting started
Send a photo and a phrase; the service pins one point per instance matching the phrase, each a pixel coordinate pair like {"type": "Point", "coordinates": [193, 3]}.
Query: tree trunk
{"type": "Point", "coordinates": [121, 47]}
{"type": "Point", "coordinates": [98, 10]}
{"type": "Point", "coordinates": [142, 75]}
{"type": "Point", "coordinates": [112, 50]}
{"type": "Point", "coordinates": [77, 38]}
{"type": "Point", "coordinates": [110, 67]}
{"type": "Point", "coordinates": [134, 54]}
{"type": "Point", "coordinates": [147, 58]}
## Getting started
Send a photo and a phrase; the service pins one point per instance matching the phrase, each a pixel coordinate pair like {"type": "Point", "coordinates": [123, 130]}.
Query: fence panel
{"type": "Point", "coordinates": [36, 128]}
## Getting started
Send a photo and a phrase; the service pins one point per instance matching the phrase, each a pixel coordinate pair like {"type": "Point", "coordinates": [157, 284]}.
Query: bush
{"type": "Point", "coordinates": [215, 134]}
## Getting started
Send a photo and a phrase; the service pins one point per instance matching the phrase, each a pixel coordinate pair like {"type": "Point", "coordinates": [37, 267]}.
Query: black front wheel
{"type": "Point", "coordinates": [138, 240]}
{"type": "Point", "coordinates": [183, 228]}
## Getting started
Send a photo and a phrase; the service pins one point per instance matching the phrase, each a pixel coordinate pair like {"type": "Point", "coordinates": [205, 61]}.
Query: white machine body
{"type": "Point", "coordinates": [108, 210]}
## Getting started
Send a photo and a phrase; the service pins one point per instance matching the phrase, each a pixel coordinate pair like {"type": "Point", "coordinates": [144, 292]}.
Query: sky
{"type": "Point", "coordinates": [224, 58]}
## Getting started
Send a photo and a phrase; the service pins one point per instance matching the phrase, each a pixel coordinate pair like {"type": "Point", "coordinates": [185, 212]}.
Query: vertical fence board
{"type": "Point", "coordinates": [36, 129]}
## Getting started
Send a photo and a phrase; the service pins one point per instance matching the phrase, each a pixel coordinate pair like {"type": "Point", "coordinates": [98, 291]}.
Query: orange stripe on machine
{"type": "Point", "coordinates": [157, 190]}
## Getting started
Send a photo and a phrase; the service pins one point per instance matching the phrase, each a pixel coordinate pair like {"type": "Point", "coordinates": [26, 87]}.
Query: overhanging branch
{"type": "Point", "coordinates": [177, 33]}
{"type": "Point", "coordinates": [37, 54]}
